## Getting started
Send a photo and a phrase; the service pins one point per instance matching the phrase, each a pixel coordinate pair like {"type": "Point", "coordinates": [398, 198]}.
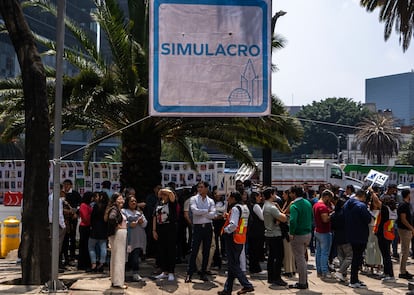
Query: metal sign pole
{"type": "Point", "coordinates": [54, 284]}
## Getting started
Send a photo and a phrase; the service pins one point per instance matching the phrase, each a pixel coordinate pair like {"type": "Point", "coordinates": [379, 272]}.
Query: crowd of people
{"type": "Point", "coordinates": [347, 231]}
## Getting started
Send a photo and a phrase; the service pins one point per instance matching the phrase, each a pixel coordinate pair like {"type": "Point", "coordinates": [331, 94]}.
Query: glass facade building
{"type": "Point", "coordinates": [393, 94]}
{"type": "Point", "coordinates": [44, 24]}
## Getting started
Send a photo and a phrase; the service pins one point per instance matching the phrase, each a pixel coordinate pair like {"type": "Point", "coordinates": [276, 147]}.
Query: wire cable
{"type": "Point", "coordinates": [104, 137]}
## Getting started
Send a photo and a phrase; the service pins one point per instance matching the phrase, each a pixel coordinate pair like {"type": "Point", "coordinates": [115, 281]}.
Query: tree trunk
{"type": "Point", "coordinates": [141, 154]}
{"type": "Point", "coordinates": [267, 166]}
{"type": "Point", "coordinates": [35, 244]}
{"type": "Point", "coordinates": [379, 159]}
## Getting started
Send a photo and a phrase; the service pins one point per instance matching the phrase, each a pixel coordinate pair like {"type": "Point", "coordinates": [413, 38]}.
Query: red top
{"type": "Point", "coordinates": [85, 212]}
{"type": "Point", "coordinates": [321, 227]}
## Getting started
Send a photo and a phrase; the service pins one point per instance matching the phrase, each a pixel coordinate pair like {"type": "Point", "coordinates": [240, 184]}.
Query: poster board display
{"type": "Point", "coordinates": [90, 177]}
{"type": "Point", "coordinates": [182, 175]}
{"type": "Point", "coordinates": [114, 175]}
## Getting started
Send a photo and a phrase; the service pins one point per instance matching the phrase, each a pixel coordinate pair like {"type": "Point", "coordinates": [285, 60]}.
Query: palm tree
{"type": "Point", "coordinates": [378, 138]}
{"type": "Point", "coordinates": [396, 14]}
{"type": "Point", "coordinates": [105, 98]}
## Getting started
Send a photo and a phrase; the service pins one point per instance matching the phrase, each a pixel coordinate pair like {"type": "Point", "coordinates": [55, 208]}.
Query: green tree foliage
{"type": "Point", "coordinates": [396, 14]}
{"type": "Point", "coordinates": [170, 153]}
{"type": "Point", "coordinates": [378, 137]}
{"type": "Point", "coordinates": [321, 119]}
{"type": "Point", "coordinates": [406, 155]}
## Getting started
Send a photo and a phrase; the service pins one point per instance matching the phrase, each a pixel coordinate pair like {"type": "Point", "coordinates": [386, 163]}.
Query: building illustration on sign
{"type": "Point", "coordinates": [249, 85]}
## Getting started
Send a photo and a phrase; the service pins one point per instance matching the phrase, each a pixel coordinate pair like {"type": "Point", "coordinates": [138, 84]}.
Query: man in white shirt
{"type": "Point", "coordinates": [62, 225]}
{"type": "Point", "coordinates": [203, 211]}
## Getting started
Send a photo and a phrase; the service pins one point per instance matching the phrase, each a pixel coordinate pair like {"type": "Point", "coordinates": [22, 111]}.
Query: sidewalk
{"type": "Point", "coordinates": [80, 282]}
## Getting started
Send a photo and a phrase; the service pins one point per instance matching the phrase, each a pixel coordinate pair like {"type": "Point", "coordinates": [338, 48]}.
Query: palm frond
{"type": "Point", "coordinates": [124, 49]}
{"type": "Point", "coordinates": [88, 45]}
{"type": "Point", "coordinates": [14, 128]}
{"type": "Point", "coordinates": [378, 137]}
{"type": "Point", "coordinates": [3, 29]}
{"type": "Point", "coordinates": [396, 14]}
{"type": "Point", "coordinates": [184, 149]}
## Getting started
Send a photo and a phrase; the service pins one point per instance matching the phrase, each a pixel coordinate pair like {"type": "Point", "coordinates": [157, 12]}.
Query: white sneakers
{"type": "Point", "coordinates": [389, 280]}
{"type": "Point", "coordinates": [327, 276]}
{"type": "Point", "coordinates": [136, 277]}
{"type": "Point", "coordinates": [161, 276]}
{"type": "Point", "coordinates": [362, 285]}
{"type": "Point", "coordinates": [358, 285]}
{"type": "Point", "coordinates": [171, 277]}
{"type": "Point", "coordinates": [340, 277]}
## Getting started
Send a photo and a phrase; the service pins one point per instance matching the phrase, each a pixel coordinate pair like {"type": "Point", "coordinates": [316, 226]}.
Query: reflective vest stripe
{"type": "Point", "coordinates": [239, 235]}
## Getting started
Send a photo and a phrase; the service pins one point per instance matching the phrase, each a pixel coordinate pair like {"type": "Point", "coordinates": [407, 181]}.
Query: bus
{"type": "Point", "coordinates": [398, 174]}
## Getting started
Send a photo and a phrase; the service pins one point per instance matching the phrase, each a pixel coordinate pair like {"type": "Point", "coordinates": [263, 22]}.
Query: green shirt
{"type": "Point", "coordinates": [301, 217]}
{"type": "Point", "coordinates": [270, 214]}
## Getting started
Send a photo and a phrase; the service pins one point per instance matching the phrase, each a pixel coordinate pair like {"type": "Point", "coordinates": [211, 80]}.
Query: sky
{"type": "Point", "coordinates": [332, 47]}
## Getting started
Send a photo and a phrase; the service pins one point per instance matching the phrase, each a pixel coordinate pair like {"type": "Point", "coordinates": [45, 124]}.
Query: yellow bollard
{"type": "Point", "coordinates": [10, 235]}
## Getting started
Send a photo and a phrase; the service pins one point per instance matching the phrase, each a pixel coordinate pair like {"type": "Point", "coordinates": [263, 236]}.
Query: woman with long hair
{"type": "Point", "coordinates": [117, 231]}
{"type": "Point", "coordinates": [85, 210]}
{"type": "Point", "coordinates": [136, 236]}
{"type": "Point", "coordinates": [255, 234]}
{"type": "Point", "coordinates": [99, 232]}
{"type": "Point", "coordinates": [288, 258]}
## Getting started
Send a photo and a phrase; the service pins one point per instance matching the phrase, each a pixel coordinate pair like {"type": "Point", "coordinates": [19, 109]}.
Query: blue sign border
{"type": "Point", "coordinates": [210, 109]}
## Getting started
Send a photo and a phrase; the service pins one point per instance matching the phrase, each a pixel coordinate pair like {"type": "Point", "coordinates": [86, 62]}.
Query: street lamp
{"type": "Point", "coordinates": [338, 144]}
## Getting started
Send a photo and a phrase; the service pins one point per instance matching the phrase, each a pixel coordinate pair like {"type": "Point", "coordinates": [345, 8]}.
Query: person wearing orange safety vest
{"type": "Point", "coordinates": [385, 234]}
{"type": "Point", "coordinates": [234, 233]}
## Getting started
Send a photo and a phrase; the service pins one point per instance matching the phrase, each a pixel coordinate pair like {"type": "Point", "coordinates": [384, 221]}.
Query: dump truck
{"type": "Point", "coordinates": [314, 172]}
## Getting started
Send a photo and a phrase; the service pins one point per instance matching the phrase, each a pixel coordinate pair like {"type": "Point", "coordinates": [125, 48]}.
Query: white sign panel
{"type": "Point", "coordinates": [210, 58]}
{"type": "Point", "coordinates": [376, 177]}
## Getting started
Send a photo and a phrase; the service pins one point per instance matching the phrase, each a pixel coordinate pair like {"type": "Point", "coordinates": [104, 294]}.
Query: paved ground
{"type": "Point", "coordinates": [80, 282]}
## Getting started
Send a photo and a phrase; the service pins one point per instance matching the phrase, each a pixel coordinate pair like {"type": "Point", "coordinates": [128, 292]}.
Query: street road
{"type": "Point", "coordinates": [6, 211]}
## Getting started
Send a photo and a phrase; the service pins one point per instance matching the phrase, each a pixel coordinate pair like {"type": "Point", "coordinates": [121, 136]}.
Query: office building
{"type": "Point", "coordinates": [44, 24]}
{"type": "Point", "coordinates": [393, 94]}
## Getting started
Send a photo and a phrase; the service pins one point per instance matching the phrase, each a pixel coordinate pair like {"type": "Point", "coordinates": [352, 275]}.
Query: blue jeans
{"type": "Point", "coordinates": [323, 247]}
{"type": "Point", "coordinates": [92, 243]}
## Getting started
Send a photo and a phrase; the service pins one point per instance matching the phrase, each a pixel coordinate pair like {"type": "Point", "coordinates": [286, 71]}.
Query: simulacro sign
{"type": "Point", "coordinates": [210, 58]}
